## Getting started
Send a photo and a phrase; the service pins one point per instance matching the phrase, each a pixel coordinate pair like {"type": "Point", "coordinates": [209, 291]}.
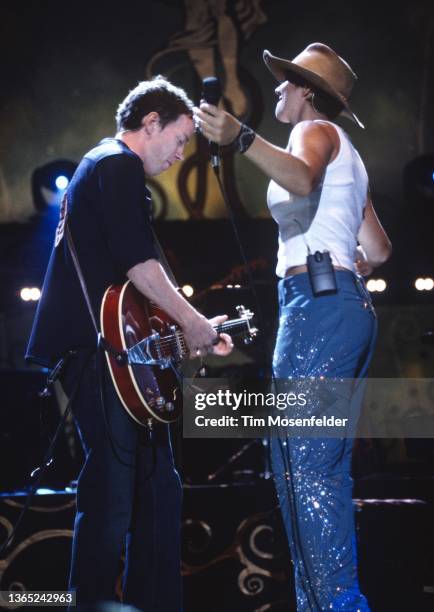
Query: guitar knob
{"type": "Point", "coordinates": [161, 401]}
{"type": "Point", "coordinates": [170, 407]}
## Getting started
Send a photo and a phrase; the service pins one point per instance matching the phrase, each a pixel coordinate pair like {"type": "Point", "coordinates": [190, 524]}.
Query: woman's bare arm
{"type": "Point", "coordinates": [298, 171]}
{"type": "Point", "coordinates": [373, 238]}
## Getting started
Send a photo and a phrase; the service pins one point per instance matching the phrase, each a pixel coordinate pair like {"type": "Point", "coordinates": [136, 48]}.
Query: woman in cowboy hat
{"type": "Point", "coordinates": [319, 196]}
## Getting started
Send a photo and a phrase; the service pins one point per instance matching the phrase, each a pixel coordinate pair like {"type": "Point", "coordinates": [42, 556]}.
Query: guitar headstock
{"type": "Point", "coordinates": [243, 312]}
{"type": "Point", "coordinates": [246, 314]}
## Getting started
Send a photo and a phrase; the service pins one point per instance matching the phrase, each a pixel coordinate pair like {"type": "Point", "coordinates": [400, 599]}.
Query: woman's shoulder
{"type": "Point", "coordinates": [317, 132]}
{"type": "Point", "coordinates": [315, 128]}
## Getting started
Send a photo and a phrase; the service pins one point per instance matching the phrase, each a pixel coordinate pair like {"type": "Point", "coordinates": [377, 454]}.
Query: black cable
{"type": "Point", "coordinates": [291, 492]}
{"type": "Point", "coordinates": [310, 590]}
{"type": "Point", "coordinates": [246, 265]}
{"type": "Point", "coordinates": [40, 471]}
{"type": "Point", "coordinates": [113, 443]}
{"type": "Point", "coordinates": [303, 235]}
{"type": "Point", "coordinates": [306, 578]}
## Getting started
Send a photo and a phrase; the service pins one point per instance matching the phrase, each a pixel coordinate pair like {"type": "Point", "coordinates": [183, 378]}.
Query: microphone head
{"type": "Point", "coordinates": [211, 90]}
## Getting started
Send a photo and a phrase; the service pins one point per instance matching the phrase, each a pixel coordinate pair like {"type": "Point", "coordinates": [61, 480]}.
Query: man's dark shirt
{"type": "Point", "coordinates": [108, 215]}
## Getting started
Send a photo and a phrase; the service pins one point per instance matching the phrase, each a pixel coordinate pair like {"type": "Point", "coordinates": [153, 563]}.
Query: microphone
{"type": "Point", "coordinates": [211, 93]}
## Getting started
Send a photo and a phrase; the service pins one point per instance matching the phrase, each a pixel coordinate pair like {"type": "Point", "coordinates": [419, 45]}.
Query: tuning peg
{"type": "Point", "coordinates": [244, 313]}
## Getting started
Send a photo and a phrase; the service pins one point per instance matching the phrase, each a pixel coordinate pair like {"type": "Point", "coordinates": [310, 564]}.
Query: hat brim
{"type": "Point", "coordinates": [280, 68]}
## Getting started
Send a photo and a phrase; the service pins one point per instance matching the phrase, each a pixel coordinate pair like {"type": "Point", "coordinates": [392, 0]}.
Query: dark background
{"type": "Point", "coordinates": [64, 69]}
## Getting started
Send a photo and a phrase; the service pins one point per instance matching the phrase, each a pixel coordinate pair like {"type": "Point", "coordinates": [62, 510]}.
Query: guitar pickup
{"type": "Point", "coordinates": [148, 352]}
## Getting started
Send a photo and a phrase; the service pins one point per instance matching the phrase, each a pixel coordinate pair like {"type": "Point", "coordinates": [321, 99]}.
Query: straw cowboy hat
{"type": "Point", "coordinates": [321, 67]}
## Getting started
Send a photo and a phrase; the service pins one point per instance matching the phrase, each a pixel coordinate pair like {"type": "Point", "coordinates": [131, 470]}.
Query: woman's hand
{"type": "Point", "coordinates": [363, 267]}
{"type": "Point", "coordinates": [216, 124]}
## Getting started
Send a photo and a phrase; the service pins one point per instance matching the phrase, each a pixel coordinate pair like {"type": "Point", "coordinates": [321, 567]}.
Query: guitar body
{"type": "Point", "coordinates": [144, 349]}
{"type": "Point", "coordinates": [146, 392]}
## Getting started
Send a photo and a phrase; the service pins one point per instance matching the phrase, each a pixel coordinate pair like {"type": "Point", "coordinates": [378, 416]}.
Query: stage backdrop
{"type": "Point", "coordinates": [66, 67]}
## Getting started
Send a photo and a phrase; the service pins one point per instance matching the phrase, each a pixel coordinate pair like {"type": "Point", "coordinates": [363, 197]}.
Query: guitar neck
{"type": "Point", "coordinates": [161, 349]}
{"type": "Point", "coordinates": [234, 327]}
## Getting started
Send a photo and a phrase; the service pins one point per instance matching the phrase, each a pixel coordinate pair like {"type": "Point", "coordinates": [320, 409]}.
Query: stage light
{"type": "Point", "coordinates": [30, 294]}
{"type": "Point", "coordinates": [376, 285]}
{"type": "Point", "coordinates": [62, 182]}
{"type": "Point", "coordinates": [424, 284]}
{"type": "Point", "coordinates": [50, 180]}
{"type": "Point", "coordinates": [187, 290]}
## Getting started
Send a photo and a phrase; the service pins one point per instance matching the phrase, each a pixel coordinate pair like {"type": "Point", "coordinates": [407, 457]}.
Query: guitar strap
{"type": "Point", "coordinates": [73, 251]}
{"type": "Point", "coordinates": [163, 259]}
{"type": "Point", "coordinates": [120, 357]}
{"type": "Point", "coordinates": [74, 256]}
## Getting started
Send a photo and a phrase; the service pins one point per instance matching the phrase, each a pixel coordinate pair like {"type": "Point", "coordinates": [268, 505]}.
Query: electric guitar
{"type": "Point", "coordinates": [144, 349]}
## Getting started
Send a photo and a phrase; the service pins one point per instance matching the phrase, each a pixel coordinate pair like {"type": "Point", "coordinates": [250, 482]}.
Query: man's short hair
{"type": "Point", "coordinates": [157, 95]}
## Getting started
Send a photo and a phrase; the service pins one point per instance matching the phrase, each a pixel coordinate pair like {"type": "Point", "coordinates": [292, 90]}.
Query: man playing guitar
{"type": "Point", "coordinates": [129, 493]}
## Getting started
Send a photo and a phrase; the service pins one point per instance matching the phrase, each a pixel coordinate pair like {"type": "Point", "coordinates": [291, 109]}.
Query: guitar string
{"type": "Point", "coordinates": [167, 341]}
{"type": "Point", "coordinates": [171, 342]}
{"type": "Point", "coordinates": [220, 328]}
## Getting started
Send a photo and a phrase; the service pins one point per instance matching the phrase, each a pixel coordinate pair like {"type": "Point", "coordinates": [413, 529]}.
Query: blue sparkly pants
{"type": "Point", "coordinates": [331, 336]}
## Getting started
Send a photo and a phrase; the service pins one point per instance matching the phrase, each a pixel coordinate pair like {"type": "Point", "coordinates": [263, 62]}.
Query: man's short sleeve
{"type": "Point", "coordinates": [125, 210]}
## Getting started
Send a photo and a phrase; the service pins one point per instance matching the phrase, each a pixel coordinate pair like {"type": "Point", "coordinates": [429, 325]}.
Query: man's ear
{"type": "Point", "coordinates": [151, 123]}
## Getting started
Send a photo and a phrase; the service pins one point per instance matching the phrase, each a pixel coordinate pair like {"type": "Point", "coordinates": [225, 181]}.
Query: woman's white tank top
{"type": "Point", "coordinates": [326, 220]}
